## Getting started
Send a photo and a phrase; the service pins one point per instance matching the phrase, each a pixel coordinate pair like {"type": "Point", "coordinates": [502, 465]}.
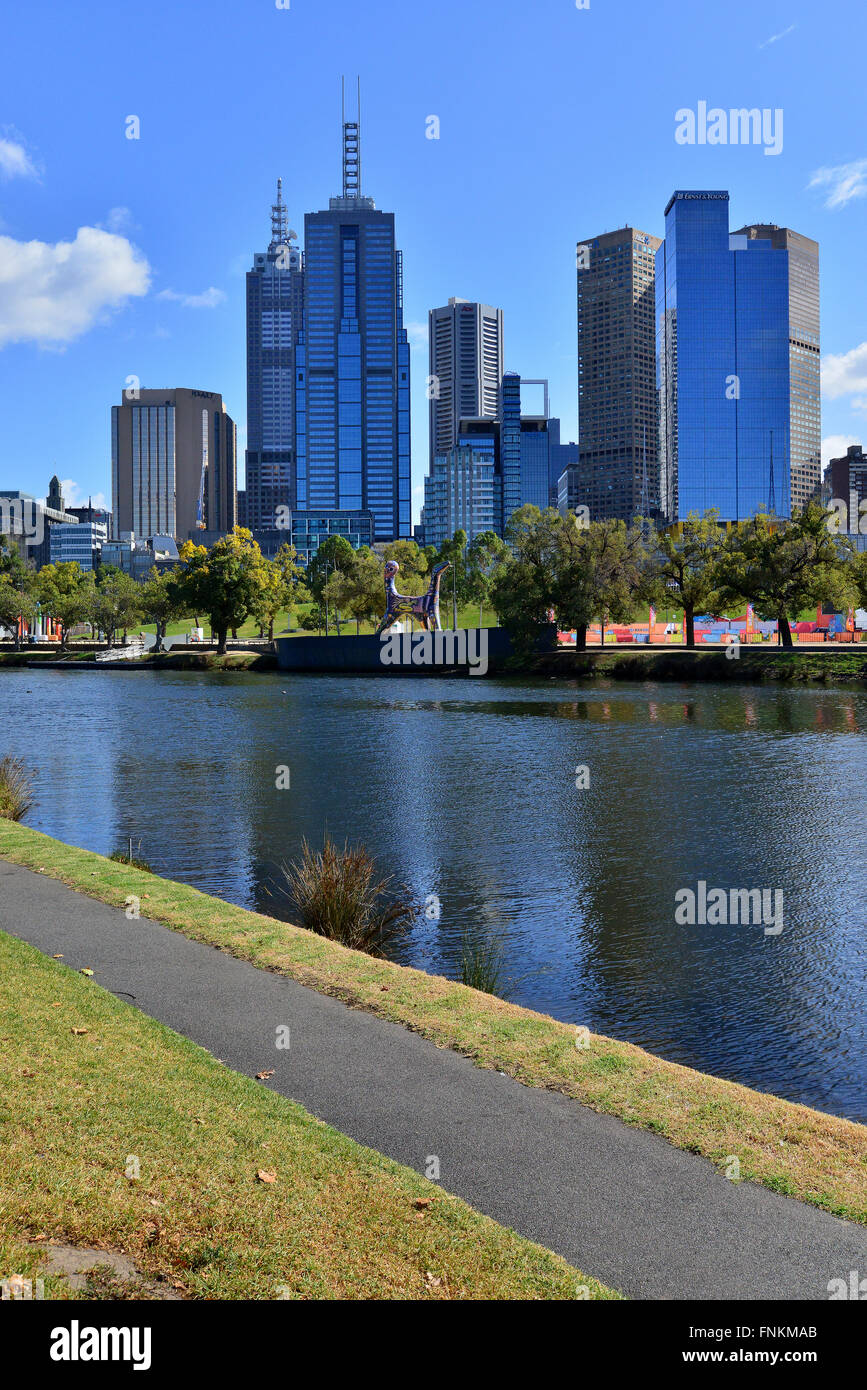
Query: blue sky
{"type": "Point", "coordinates": [556, 123]}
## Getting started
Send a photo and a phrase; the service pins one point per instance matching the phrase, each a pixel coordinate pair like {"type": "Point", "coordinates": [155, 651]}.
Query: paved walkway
{"type": "Point", "coordinates": [619, 1203]}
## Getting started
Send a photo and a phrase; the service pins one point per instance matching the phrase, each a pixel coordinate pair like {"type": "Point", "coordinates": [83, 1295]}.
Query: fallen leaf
{"type": "Point", "coordinates": [423, 1202]}
{"type": "Point", "coordinates": [263, 1075]}
{"type": "Point", "coordinates": [383, 989]}
{"type": "Point", "coordinates": [152, 1232]}
{"type": "Point", "coordinates": [85, 971]}
{"type": "Point", "coordinates": [78, 1031]}
{"type": "Point", "coordinates": [57, 1006]}
{"type": "Point", "coordinates": [431, 1281]}
{"type": "Point", "coordinates": [266, 1177]}
{"type": "Point", "coordinates": [57, 957]}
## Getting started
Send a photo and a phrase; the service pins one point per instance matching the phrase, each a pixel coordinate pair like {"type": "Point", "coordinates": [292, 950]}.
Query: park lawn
{"type": "Point", "coordinates": [302, 623]}
{"type": "Point", "coordinates": [91, 1084]}
{"type": "Point", "coordinates": [804, 1153]}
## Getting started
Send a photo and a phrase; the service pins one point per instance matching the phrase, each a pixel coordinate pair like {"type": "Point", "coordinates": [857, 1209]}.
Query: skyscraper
{"type": "Point", "coordinates": [173, 464]}
{"type": "Point", "coordinates": [617, 401]}
{"type": "Point", "coordinates": [275, 289]}
{"type": "Point", "coordinates": [466, 368]}
{"type": "Point", "coordinates": [727, 346]}
{"type": "Point", "coordinates": [352, 427]}
{"type": "Point", "coordinates": [805, 422]}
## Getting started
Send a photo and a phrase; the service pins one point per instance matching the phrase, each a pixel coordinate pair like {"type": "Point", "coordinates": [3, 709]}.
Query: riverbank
{"type": "Point", "coordinates": [825, 665]}
{"type": "Point", "coordinates": [814, 665]}
{"type": "Point", "coordinates": [803, 1153]}
{"type": "Point", "coordinates": [119, 1135]}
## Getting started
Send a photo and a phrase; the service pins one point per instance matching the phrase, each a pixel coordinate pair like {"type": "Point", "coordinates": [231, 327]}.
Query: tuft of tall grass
{"type": "Point", "coordinates": [483, 965]}
{"type": "Point", "coordinates": [338, 893]}
{"type": "Point", "coordinates": [16, 788]}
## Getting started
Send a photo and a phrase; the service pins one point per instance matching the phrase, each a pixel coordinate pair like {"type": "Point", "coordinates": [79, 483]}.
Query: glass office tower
{"type": "Point", "coordinates": [723, 364]}
{"type": "Point", "coordinates": [275, 288]}
{"type": "Point", "coordinates": [352, 430]}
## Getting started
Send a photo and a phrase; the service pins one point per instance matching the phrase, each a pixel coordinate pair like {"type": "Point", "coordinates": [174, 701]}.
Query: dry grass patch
{"type": "Point", "coordinates": [790, 1148]}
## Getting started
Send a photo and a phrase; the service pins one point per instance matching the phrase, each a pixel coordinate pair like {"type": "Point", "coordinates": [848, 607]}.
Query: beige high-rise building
{"type": "Point", "coordinates": [173, 464]}
{"type": "Point", "coordinates": [617, 399]}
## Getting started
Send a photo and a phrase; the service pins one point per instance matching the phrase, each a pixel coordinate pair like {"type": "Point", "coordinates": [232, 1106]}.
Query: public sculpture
{"type": "Point", "coordinates": [424, 607]}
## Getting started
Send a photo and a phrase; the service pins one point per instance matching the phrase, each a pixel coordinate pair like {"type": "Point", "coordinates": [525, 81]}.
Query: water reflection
{"type": "Point", "coordinates": [471, 794]}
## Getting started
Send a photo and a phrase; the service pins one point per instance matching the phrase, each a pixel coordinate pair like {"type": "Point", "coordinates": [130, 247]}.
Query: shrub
{"type": "Point", "coordinates": [338, 893]}
{"type": "Point", "coordinates": [16, 788]}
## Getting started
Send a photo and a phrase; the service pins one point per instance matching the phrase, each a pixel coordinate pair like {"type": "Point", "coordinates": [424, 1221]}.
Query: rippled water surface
{"type": "Point", "coordinates": [467, 790]}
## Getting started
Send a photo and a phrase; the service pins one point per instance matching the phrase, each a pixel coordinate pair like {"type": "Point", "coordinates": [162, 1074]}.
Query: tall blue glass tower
{"type": "Point", "coordinates": [275, 288]}
{"type": "Point", "coordinates": [352, 431]}
{"type": "Point", "coordinates": [723, 364]}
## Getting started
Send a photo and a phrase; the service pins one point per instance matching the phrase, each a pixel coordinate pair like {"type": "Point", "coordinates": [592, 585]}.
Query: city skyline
{"type": "Point", "coordinates": [181, 292]}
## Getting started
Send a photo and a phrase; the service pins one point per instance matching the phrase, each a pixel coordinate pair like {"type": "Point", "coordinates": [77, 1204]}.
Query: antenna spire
{"type": "Point", "coordinates": [279, 218]}
{"type": "Point", "coordinates": [351, 145]}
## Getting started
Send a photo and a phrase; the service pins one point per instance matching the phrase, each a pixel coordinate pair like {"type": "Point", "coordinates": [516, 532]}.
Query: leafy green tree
{"type": "Point", "coordinates": [115, 602]}
{"type": "Point", "coordinates": [456, 584]}
{"type": "Point", "coordinates": [360, 590]}
{"type": "Point", "coordinates": [598, 572]}
{"type": "Point", "coordinates": [486, 554]}
{"type": "Point", "coordinates": [783, 567]}
{"type": "Point", "coordinates": [334, 553]}
{"type": "Point", "coordinates": [414, 565]}
{"type": "Point", "coordinates": [17, 591]}
{"type": "Point", "coordinates": [684, 567]}
{"type": "Point", "coordinates": [64, 591]}
{"type": "Point", "coordinates": [523, 587]}
{"type": "Point", "coordinates": [224, 581]}
{"type": "Point", "coordinates": [294, 589]}
{"type": "Point", "coordinates": [162, 602]}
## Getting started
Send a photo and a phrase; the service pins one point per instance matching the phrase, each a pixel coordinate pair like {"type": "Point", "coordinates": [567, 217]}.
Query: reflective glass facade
{"type": "Point", "coordinates": [459, 495]}
{"type": "Point", "coordinates": [275, 288]}
{"type": "Point", "coordinates": [352, 433]}
{"type": "Point", "coordinates": [723, 367]}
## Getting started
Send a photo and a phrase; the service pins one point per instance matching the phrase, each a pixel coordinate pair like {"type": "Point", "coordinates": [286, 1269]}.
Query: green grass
{"type": "Point", "coordinates": [338, 1221]}
{"type": "Point", "coordinates": [805, 665]}
{"type": "Point", "coordinates": [823, 1158]}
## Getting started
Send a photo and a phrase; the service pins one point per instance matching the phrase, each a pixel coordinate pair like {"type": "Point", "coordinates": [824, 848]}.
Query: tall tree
{"type": "Point", "coordinates": [783, 567]}
{"type": "Point", "coordinates": [64, 591]}
{"type": "Point", "coordinates": [598, 572]}
{"type": "Point", "coordinates": [162, 602]}
{"type": "Point", "coordinates": [684, 567]}
{"type": "Point", "coordinates": [486, 554]}
{"type": "Point", "coordinates": [224, 581]}
{"type": "Point", "coordinates": [115, 602]}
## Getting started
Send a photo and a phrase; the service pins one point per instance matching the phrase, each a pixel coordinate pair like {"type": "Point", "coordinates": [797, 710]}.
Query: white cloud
{"type": "Point", "coordinates": [845, 373]}
{"type": "Point", "coordinates": [845, 182]}
{"type": "Point", "coordinates": [74, 497]}
{"type": "Point", "coordinates": [208, 299]}
{"type": "Point", "coordinates": [775, 38]}
{"type": "Point", "coordinates": [52, 293]}
{"type": "Point", "coordinates": [834, 446]}
{"type": "Point", "coordinates": [15, 162]}
{"type": "Point", "coordinates": [417, 334]}
{"type": "Point", "coordinates": [119, 220]}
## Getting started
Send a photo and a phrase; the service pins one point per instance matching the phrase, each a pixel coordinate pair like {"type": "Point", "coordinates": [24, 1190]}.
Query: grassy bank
{"type": "Point", "coordinates": [801, 1152]}
{"type": "Point", "coordinates": [804, 665]}
{"type": "Point", "coordinates": [91, 1084]}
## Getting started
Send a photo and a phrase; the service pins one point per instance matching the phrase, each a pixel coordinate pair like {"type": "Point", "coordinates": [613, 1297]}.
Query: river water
{"type": "Point", "coordinates": [466, 790]}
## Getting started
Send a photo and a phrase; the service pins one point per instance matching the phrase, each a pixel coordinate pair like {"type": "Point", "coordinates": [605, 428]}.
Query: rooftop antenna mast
{"type": "Point", "coordinates": [351, 146]}
{"type": "Point", "coordinates": [279, 218]}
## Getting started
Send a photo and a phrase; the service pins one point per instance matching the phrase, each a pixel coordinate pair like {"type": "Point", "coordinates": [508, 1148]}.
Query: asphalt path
{"type": "Point", "coordinates": [619, 1203]}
